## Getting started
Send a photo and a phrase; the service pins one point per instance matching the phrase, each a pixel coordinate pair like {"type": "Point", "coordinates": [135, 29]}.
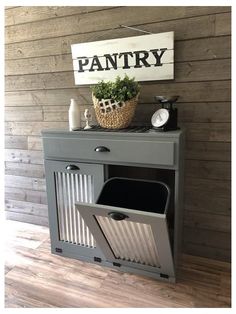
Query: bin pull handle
{"type": "Point", "coordinates": [117, 216]}
{"type": "Point", "coordinates": [72, 167]}
{"type": "Point", "coordinates": [101, 149]}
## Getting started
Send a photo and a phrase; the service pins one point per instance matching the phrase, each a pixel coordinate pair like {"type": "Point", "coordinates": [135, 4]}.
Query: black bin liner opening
{"type": "Point", "coordinates": [148, 196]}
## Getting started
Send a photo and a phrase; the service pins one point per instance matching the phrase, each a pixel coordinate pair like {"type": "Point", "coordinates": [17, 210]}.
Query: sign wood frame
{"type": "Point", "coordinates": [145, 57]}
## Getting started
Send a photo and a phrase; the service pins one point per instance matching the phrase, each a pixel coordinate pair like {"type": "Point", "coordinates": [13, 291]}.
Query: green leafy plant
{"type": "Point", "coordinates": [120, 90]}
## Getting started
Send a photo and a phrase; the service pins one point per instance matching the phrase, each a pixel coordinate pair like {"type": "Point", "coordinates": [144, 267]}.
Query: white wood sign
{"type": "Point", "coordinates": [146, 57]}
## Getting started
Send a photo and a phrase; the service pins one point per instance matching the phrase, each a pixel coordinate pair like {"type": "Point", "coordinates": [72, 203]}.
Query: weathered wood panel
{"type": "Point", "coordinates": [213, 132]}
{"type": "Point", "coordinates": [191, 71]}
{"type": "Point", "coordinates": [188, 112]}
{"type": "Point", "coordinates": [19, 15]}
{"type": "Point", "coordinates": [223, 24]}
{"type": "Point", "coordinates": [27, 208]}
{"type": "Point", "coordinates": [195, 91]}
{"type": "Point", "coordinates": [203, 70]}
{"type": "Point", "coordinates": [207, 132]}
{"type": "Point", "coordinates": [48, 64]}
{"type": "Point", "coordinates": [60, 113]}
{"type": "Point", "coordinates": [190, 92]}
{"type": "Point", "coordinates": [24, 156]}
{"type": "Point", "coordinates": [19, 142]}
{"type": "Point", "coordinates": [198, 91]}
{"type": "Point", "coordinates": [40, 84]}
{"type": "Point", "coordinates": [19, 194]}
{"type": "Point", "coordinates": [25, 182]}
{"type": "Point", "coordinates": [208, 70]}
{"type": "Point", "coordinates": [190, 28]}
{"type": "Point", "coordinates": [206, 202]}
{"type": "Point", "coordinates": [205, 112]}
{"type": "Point", "coordinates": [26, 170]}
{"type": "Point", "coordinates": [206, 187]}
{"type": "Point", "coordinates": [24, 128]}
{"type": "Point", "coordinates": [207, 238]}
{"type": "Point", "coordinates": [219, 170]}
{"type": "Point", "coordinates": [199, 49]}
{"type": "Point", "coordinates": [57, 113]}
{"type": "Point", "coordinates": [207, 251]}
{"type": "Point", "coordinates": [23, 114]}
{"type": "Point", "coordinates": [47, 97]}
{"type": "Point", "coordinates": [40, 81]}
{"type": "Point", "coordinates": [208, 151]}
{"type": "Point", "coordinates": [203, 49]}
{"type": "Point", "coordinates": [107, 19]}
{"type": "Point", "coordinates": [35, 143]}
{"type": "Point", "coordinates": [37, 220]}
{"type": "Point", "coordinates": [207, 221]}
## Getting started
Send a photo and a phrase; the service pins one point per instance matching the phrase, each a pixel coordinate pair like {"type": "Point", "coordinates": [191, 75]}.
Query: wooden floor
{"type": "Point", "coordinates": [36, 278]}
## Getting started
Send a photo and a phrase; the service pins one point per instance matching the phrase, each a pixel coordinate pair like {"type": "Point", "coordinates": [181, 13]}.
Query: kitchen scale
{"type": "Point", "coordinates": [165, 118]}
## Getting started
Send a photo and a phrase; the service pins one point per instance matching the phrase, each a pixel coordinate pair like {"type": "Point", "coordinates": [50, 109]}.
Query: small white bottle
{"type": "Point", "coordinates": [74, 115]}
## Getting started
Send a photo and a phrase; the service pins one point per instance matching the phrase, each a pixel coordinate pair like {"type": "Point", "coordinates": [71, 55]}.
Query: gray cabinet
{"type": "Point", "coordinates": [78, 163]}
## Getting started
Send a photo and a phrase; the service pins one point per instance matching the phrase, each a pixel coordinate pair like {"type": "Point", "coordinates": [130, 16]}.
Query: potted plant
{"type": "Point", "coordinates": [115, 102]}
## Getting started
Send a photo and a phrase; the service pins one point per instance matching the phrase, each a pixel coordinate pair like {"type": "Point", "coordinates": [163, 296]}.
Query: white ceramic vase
{"type": "Point", "coordinates": [74, 115]}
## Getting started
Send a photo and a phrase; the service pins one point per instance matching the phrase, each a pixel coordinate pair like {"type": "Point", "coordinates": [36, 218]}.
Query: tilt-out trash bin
{"type": "Point", "coordinates": [129, 224]}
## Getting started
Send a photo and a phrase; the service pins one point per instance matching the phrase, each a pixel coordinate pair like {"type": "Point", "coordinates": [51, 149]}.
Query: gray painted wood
{"type": "Point", "coordinates": [52, 167]}
{"type": "Point", "coordinates": [157, 222]}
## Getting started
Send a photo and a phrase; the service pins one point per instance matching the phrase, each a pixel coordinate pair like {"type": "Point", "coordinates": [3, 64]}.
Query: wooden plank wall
{"type": "Point", "coordinates": [39, 84]}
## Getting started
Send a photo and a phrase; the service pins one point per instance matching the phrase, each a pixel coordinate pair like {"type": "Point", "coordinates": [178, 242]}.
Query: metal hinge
{"type": "Point", "coordinates": [164, 276]}
{"type": "Point", "coordinates": [97, 259]}
{"type": "Point", "coordinates": [116, 264]}
{"type": "Point", "coordinates": [58, 250]}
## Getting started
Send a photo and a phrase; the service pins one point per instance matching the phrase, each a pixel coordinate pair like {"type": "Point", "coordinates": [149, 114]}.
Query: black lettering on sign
{"type": "Point", "coordinates": [126, 60]}
{"type": "Point", "coordinates": [141, 60]}
{"type": "Point", "coordinates": [141, 57]}
{"type": "Point", "coordinates": [82, 64]}
{"type": "Point", "coordinates": [96, 63]}
{"type": "Point", "coordinates": [158, 56]}
{"type": "Point", "coordinates": [111, 60]}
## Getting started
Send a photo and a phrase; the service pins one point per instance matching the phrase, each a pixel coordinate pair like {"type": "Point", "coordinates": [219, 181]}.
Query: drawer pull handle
{"type": "Point", "coordinates": [72, 167]}
{"type": "Point", "coordinates": [117, 216]}
{"type": "Point", "coordinates": [101, 149]}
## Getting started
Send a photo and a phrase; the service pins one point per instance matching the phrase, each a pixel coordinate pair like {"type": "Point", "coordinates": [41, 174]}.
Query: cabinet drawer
{"type": "Point", "coordinates": [118, 151]}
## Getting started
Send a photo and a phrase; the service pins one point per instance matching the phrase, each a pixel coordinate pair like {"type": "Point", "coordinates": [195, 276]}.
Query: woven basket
{"type": "Point", "coordinates": [111, 114]}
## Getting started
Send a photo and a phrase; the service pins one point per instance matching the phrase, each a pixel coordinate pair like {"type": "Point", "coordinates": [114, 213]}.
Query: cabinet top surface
{"type": "Point", "coordinates": [152, 134]}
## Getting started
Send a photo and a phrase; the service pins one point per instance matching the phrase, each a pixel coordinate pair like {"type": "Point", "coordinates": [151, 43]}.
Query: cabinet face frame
{"type": "Point", "coordinates": [53, 167]}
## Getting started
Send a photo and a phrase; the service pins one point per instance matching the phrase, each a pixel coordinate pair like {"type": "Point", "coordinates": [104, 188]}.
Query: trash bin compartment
{"type": "Point", "coordinates": [129, 224]}
{"type": "Point", "coordinates": [143, 195]}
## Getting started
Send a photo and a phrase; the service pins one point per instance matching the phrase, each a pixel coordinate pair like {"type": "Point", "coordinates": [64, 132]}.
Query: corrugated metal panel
{"type": "Point", "coordinates": [72, 187]}
{"type": "Point", "coordinates": [130, 241]}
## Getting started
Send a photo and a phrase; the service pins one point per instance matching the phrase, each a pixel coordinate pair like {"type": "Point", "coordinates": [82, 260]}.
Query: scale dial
{"type": "Point", "coordinates": [160, 117]}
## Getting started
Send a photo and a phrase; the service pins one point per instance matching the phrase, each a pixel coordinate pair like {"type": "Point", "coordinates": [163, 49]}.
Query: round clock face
{"type": "Point", "coordinates": [160, 117]}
